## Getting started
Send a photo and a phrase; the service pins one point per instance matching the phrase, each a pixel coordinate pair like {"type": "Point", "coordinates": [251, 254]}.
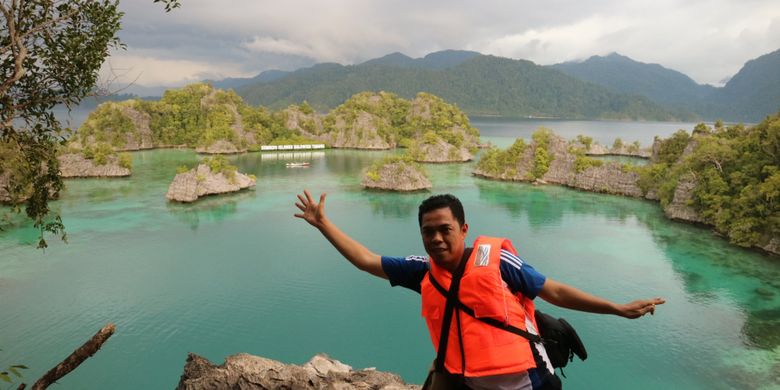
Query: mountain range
{"type": "Point", "coordinates": [601, 87]}
{"type": "Point", "coordinates": [478, 84]}
{"type": "Point", "coordinates": [749, 96]}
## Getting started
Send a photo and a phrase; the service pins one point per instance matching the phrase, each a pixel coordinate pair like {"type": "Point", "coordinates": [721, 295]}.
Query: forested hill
{"type": "Point", "coordinates": [751, 95]}
{"type": "Point", "coordinates": [480, 85]}
{"type": "Point", "coordinates": [754, 92]}
{"type": "Point", "coordinates": [437, 60]}
{"type": "Point", "coordinates": [622, 74]}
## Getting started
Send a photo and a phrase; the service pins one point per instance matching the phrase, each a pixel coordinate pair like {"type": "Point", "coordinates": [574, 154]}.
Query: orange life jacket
{"type": "Point", "coordinates": [488, 350]}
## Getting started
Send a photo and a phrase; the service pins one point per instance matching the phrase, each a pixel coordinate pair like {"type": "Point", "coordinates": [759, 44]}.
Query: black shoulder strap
{"type": "Point", "coordinates": [490, 321]}
{"type": "Point", "coordinates": [452, 300]}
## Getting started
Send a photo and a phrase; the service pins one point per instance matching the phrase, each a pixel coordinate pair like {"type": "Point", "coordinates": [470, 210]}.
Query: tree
{"type": "Point", "coordinates": [50, 51]}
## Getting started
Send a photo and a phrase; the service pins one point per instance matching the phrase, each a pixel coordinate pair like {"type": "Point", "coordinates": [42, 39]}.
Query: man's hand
{"type": "Point", "coordinates": [357, 254]}
{"type": "Point", "coordinates": [639, 308]}
{"type": "Point", "coordinates": [312, 212]}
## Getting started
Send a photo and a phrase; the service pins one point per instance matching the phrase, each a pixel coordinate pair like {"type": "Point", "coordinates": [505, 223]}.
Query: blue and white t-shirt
{"type": "Point", "coordinates": [409, 272]}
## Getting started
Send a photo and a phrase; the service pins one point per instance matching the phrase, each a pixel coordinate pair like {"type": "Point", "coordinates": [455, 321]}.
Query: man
{"type": "Point", "coordinates": [495, 283]}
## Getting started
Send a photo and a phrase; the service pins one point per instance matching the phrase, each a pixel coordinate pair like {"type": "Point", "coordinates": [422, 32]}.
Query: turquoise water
{"type": "Point", "coordinates": [503, 131]}
{"type": "Point", "coordinates": [239, 274]}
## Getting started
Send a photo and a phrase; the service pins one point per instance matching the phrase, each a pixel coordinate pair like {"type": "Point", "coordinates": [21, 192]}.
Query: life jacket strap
{"type": "Point", "coordinates": [490, 321]}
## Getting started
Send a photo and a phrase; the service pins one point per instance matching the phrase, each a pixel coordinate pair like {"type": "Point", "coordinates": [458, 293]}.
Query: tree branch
{"type": "Point", "coordinates": [46, 25]}
{"type": "Point", "coordinates": [17, 48]}
{"type": "Point", "coordinates": [75, 359]}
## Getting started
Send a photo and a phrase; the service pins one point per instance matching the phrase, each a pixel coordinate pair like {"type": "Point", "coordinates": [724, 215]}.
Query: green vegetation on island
{"type": "Point", "coordinates": [725, 176]}
{"type": "Point", "coordinates": [217, 122]}
{"type": "Point", "coordinates": [396, 173]}
{"type": "Point", "coordinates": [213, 175]}
{"type": "Point", "coordinates": [735, 175]}
{"type": "Point", "coordinates": [504, 164]}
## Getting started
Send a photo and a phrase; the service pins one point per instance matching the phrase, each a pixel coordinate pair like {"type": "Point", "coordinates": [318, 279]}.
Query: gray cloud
{"type": "Point", "coordinates": [708, 40]}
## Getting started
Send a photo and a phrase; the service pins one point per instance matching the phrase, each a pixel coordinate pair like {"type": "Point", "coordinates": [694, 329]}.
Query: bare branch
{"type": "Point", "coordinates": [76, 358]}
{"type": "Point", "coordinates": [103, 87]}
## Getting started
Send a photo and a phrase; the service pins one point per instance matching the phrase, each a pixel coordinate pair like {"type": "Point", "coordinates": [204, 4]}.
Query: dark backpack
{"type": "Point", "coordinates": [560, 340]}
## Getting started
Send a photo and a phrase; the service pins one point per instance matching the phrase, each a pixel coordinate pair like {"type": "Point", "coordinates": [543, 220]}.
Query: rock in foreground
{"type": "Point", "coordinates": [247, 372]}
{"type": "Point", "coordinates": [201, 181]}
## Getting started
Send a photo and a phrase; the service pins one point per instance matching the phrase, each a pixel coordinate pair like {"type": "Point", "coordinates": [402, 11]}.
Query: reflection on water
{"type": "Point", "coordinates": [714, 268]}
{"type": "Point", "coordinates": [209, 208]}
{"type": "Point", "coordinates": [390, 205]}
{"type": "Point", "coordinates": [547, 205]}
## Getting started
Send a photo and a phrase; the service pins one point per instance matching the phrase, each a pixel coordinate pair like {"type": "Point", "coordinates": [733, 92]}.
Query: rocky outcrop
{"type": "Point", "coordinates": [76, 165]}
{"type": "Point", "coordinates": [396, 176]}
{"type": "Point", "coordinates": [679, 208]}
{"type": "Point", "coordinates": [309, 125]}
{"type": "Point", "coordinates": [608, 177]}
{"type": "Point", "coordinates": [137, 137]}
{"type": "Point", "coordinates": [770, 244]}
{"type": "Point", "coordinates": [248, 372]}
{"type": "Point", "coordinates": [223, 146]}
{"type": "Point", "coordinates": [628, 151]}
{"type": "Point", "coordinates": [5, 181]}
{"type": "Point", "coordinates": [220, 147]}
{"type": "Point", "coordinates": [142, 137]}
{"type": "Point", "coordinates": [201, 181]}
{"type": "Point", "coordinates": [428, 111]}
{"type": "Point", "coordinates": [440, 152]}
{"type": "Point", "coordinates": [360, 133]}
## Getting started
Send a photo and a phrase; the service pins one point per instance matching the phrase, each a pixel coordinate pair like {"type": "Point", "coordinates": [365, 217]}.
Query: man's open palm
{"type": "Point", "coordinates": [312, 212]}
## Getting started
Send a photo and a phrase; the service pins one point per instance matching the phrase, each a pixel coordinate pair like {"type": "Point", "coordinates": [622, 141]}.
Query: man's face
{"type": "Point", "coordinates": [443, 237]}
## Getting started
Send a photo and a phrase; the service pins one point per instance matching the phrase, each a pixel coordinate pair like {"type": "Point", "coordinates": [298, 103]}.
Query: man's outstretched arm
{"type": "Point", "coordinates": [563, 295]}
{"type": "Point", "coordinates": [357, 254]}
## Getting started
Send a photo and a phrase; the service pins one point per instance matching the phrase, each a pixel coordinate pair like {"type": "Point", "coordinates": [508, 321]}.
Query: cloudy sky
{"type": "Point", "coordinates": [213, 39]}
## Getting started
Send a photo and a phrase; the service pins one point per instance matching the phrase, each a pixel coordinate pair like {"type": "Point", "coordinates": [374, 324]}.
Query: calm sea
{"type": "Point", "coordinates": [239, 274]}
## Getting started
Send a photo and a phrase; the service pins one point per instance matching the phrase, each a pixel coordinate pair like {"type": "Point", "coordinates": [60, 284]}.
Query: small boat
{"type": "Point", "coordinates": [297, 164]}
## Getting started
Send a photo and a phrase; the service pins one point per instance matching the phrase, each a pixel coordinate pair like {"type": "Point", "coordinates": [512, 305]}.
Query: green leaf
{"type": "Point", "coordinates": [22, 366]}
{"type": "Point", "coordinates": [4, 376]}
{"type": "Point", "coordinates": [15, 371]}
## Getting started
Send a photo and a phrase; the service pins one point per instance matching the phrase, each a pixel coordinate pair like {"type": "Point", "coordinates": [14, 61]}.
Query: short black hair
{"type": "Point", "coordinates": [441, 201]}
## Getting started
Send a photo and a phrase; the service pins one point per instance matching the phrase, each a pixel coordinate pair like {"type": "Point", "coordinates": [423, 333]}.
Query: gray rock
{"type": "Point", "coordinates": [441, 152]}
{"type": "Point", "coordinates": [362, 133]}
{"type": "Point", "coordinates": [601, 150]}
{"type": "Point", "coordinates": [309, 125]}
{"type": "Point", "coordinates": [5, 181]}
{"type": "Point", "coordinates": [143, 138]}
{"type": "Point", "coordinates": [200, 181]}
{"type": "Point", "coordinates": [679, 208]}
{"type": "Point", "coordinates": [248, 372]}
{"type": "Point", "coordinates": [607, 178]}
{"type": "Point", "coordinates": [76, 165]}
{"type": "Point", "coordinates": [398, 176]}
{"type": "Point", "coordinates": [138, 139]}
{"type": "Point", "coordinates": [220, 147]}
{"type": "Point", "coordinates": [771, 245]}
